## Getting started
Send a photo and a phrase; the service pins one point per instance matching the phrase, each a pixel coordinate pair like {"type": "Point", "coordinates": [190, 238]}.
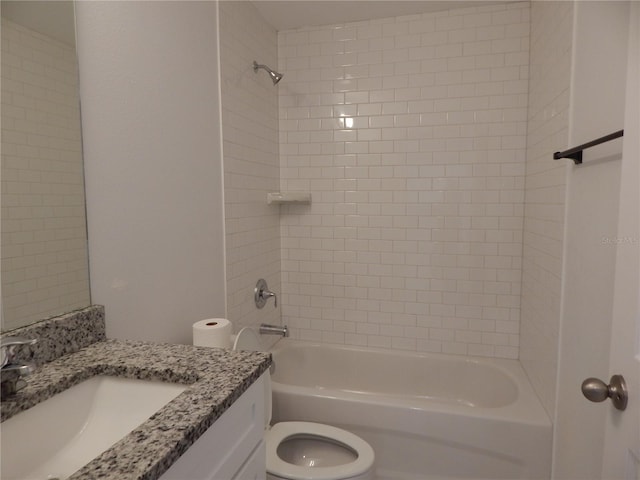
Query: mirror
{"type": "Point", "coordinates": [45, 266]}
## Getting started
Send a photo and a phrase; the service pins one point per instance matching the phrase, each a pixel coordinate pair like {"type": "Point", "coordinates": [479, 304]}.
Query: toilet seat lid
{"type": "Point", "coordinates": [283, 430]}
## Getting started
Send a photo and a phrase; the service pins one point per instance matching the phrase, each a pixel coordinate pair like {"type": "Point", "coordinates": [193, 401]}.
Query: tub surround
{"type": "Point", "coordinates": [216, 378]}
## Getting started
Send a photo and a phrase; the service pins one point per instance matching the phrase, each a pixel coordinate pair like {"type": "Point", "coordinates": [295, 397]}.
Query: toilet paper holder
{"type": "Point", "coordinates": [262, 293]}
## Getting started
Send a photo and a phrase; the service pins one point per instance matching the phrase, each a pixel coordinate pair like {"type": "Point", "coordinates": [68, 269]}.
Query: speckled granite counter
{"type": "Point", "coordinates": [216, 379]}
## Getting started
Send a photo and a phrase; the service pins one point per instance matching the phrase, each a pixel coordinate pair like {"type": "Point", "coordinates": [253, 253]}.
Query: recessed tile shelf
{"type": "Point", "coordinates": [279, 198]}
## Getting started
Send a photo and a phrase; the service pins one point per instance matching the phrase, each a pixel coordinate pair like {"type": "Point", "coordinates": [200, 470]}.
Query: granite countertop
{"type": "Point", "coordinates": [216, 378]}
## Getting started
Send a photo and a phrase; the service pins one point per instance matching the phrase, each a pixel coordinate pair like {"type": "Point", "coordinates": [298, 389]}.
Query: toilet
{"type": "Point", "coordinates": [307, 450]}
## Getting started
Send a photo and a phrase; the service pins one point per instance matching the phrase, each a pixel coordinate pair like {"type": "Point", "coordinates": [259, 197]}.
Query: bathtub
{"type": "Point", "coordinates": [427, 416]}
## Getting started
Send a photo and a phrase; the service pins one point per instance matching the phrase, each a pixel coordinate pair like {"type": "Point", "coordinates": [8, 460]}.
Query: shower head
{"type": "Point", "coordinates": [275, 76]}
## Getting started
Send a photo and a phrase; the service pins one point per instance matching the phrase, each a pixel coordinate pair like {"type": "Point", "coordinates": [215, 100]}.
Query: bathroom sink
{"type": "Point", "coordinates": [60, 435]}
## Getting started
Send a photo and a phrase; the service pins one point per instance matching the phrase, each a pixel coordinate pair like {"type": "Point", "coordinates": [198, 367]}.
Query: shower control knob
{"type": "Point", "coordinates": [262, 293]}
{"type": "Point", "coordinates": [596, 390]}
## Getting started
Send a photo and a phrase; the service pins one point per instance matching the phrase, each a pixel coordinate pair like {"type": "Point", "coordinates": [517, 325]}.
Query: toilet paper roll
{"type": "Point", "coordinates": [212, 332]}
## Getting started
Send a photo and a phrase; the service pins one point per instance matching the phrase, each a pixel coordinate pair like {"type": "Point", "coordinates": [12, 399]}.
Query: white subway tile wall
{"type": "Point", "coordinates": [44, 242]}
{"type": "Point", "coordinates": [410, 134]}
{"type": "Point", "coordinates": [545, 188]}
{"type": "Point", "coordinates": [251, 163]}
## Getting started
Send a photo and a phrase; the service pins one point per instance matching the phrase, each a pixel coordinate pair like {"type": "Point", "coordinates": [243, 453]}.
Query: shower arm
{"type": "Point", "coordinates": [275, 76]}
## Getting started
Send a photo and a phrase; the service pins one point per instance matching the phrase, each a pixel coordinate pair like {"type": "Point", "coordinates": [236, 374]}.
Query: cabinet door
{"type": "Point", "coordinates": [222, 451]}
{"type": "Point", "coordinates": [255, 467]}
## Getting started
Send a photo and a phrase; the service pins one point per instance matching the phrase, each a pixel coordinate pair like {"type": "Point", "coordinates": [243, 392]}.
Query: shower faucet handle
{"type": "Point", "coordinates": [262, 293]}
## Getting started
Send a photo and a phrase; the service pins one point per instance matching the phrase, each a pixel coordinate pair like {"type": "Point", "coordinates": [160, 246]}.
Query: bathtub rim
{"type": "Point", "coordinates": [526, 409]}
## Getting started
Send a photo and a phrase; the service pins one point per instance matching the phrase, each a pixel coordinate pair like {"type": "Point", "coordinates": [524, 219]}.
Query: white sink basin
{"type": "Point", "coordinates": [60, 435]}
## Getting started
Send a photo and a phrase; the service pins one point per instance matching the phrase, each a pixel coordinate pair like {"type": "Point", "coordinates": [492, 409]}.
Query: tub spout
{"type": "Point", "coordinates": [274, 330]}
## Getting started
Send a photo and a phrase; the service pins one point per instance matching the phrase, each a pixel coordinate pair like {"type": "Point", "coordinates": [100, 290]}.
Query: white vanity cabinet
{"type": "Point", "coordinates": [232, 448]}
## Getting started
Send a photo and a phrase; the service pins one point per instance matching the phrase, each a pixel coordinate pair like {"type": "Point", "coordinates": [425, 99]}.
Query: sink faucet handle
{"type": "Point", "coordinates": [11, 341]}
{"type": "Point", "coordinates": [10, 345]}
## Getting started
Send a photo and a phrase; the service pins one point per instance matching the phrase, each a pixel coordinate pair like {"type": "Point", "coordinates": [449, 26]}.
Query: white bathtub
{"type": "Point", "coordinates": [427, 416]}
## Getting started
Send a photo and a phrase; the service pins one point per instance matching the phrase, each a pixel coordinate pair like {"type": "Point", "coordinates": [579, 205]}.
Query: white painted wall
{"type": "Point", "coordinates": [151, 127]}
{"type": "Point", "coordinates": [596, 108]}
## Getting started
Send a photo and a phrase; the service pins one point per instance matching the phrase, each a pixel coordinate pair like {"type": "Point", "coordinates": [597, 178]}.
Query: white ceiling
{"type": "Point", "coordinates": [55, 18]}
{"type": "Point", "coordinates": [291, 14]}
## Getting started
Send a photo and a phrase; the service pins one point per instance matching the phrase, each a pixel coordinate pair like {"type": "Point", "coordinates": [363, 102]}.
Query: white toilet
{"type": "Point", "coordinates": [306, 450]}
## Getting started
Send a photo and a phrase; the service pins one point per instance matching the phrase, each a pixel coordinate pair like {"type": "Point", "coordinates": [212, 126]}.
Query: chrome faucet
{"type": "Point", "coordinates": [12, 371]}
{"type": "Point", "coordinates": [266, 329]}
